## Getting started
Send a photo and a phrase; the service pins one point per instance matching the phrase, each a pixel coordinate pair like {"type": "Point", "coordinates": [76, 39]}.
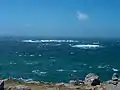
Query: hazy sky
{"type": "Point", "coordinates": [62, 18]}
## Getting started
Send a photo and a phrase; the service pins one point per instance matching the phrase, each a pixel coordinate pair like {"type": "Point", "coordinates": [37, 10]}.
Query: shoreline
{"type": "Point", "coordinates": [41, 85]}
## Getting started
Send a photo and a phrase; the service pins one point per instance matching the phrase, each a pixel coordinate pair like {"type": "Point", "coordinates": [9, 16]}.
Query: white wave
{"type": "Point", "coordinates": [96, 43]}
{"type": "Point", "coordinates": [71, 53]}
{"type": "Point", "coordinates": [53, 60]}
{"type": "Point", "coordinates": [31, 63]}
{"type": "Point", "coordinates": [25, 80]}
{"type": "Point", "coordinates": [37, 41]}
{"type": "Point", "coordinates": [114, 69]}
{"type": "Point", "coordinates": [12, 63]}
{"type": "Point", "coordinates": [60, 70]}
{"type": "Point", "coordinates": [104, 66]}
{"type": "Point", "coordinates": [90, 66]}
{"type": "Point", "coordinates": [88, 46]}
{"type": "Point", "coordinates": [39, 55]}
{"type": "Point", "coordinates": [84, 64]}
{"type": "Point", "coordinates": [32, 55]}
{"type": "Point", "coordinates": [39, 72]}
{"type": "Point", "coordinates": [28, 80]}
{"type": "Point", "coordinates": [74, 71]}
{"type": "Point", "coordinates": [101, 66]}
{"type": "Point", "coordinates": [19, 55]}
{"type": "Point", "coordinates": [43, 72]}
{"type": "Point", "coordinates": [31, 41]}
{"type": "Point", "coordinates": [16, 52]}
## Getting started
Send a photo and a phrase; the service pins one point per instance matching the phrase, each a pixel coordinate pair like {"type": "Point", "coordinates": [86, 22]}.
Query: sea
{"type": "Point", "coordinates": [58, 60]}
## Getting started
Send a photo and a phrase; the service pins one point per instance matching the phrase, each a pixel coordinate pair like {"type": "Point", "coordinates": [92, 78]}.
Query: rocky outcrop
{"type": "Point", "coordinates": [1, 85]}
{"type": "Point", "coordinates": [115, 79]}
{"type": "Point", "coordinates": [92, 79]}
{"type": "Point", "coordinates": [19, 87]}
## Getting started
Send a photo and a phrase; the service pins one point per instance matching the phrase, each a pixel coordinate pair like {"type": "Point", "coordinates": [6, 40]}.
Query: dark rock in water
{"type": "Point", "coordinates": [19, 87]}
{"type": "Point", "coordinates": [95, 82]}
{"type": "Point", "coordinates": [92, 79]}
{"type": "Point", "coordinates": [1, 85]}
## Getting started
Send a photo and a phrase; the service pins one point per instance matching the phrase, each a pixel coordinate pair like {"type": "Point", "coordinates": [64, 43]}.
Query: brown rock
{"type": "Point", "coordinates": [19, 87]}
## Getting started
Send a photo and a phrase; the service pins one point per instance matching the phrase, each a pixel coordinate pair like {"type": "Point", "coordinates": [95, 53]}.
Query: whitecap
{"type": "Point", "coordinates": [43, 72]}
{"type": "Point", "coordinates": [32, 55]}
{"type": "Point", "coordinates": [31, 41]}
{"type": "Point", "coordinates": [19, 55]}
{"type": "Point", "coordinates": [84, 64]}
{"type": "Point", "coordinates": [25, 80]}
{"type": "Point", "coordinates": [28, 80]}
{"type": "Point", "coordinates": [31, 63]}
{"type": "Point", "coordinates": [71, 53]}
{"type": "Point", "coordinates": [12, 63]}
{"type": "Point", "coordinates": [38, 41]}
{"type": "Point", "coordinates": [88, 46]}
{"type": "Point", "coordinates": [53, 60]}
{"type": "Point", "coordinates": [90, 66]}
{"type": "Point", "coordinates": [101, 66]}
{"type": "Point", "coordinates": [115, 70]}
{"type": "Point", "coordinates": [60, 70]}
{"type": "Point", "coordinates": [39, 55]}
{"type": "Point", "coordinates": [39, 72]}
{"type": "Point", "coordinates": [74, 71]}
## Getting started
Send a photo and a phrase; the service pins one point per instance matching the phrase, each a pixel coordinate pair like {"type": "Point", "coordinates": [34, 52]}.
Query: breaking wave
{"type": "Point", "coordinates": [88, 46]}
{"type": "Point", "coordinates": [38, 41]}
{"type": "Point", "coordinates": [38, 72]}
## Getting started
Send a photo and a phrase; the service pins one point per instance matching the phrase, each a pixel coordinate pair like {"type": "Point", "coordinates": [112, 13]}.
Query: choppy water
{"type": "Point", "coordinates": [58, 60]}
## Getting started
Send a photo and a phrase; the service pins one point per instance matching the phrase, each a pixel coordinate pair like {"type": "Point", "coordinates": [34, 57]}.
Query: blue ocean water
{"type": "Point", "coordinates": [58, 60]}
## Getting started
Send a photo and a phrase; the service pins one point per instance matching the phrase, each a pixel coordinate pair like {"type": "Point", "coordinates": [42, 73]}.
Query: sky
{"type": "Point", "coordinates": [60, 18]}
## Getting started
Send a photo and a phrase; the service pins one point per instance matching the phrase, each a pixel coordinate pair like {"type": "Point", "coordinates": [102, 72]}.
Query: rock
{"type": "Point", "coordinates": [19, 87]}
{"type": "Point", "coordinates": [115, 77]}
{"type": "Point", "coordinates": [72, 82]}
{"type": "Point", "coordinates": [92, 79]}
{"type": "Point", "coordinates": [1, 85]}
{"type": "Point", "coordinates": [59, 84]}
{"type": "Point", "coordinates": [76, 82]}
{"type": "Point", "coordinates": [95, 82]}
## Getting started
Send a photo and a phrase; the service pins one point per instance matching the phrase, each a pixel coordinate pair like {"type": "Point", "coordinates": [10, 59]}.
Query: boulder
{"type": "Point", "coordinates": [115, 77]}
{"type": "Point", "coordinates": [19, 87]}
{"type": "Point", "coordinates": [92, 79]}
{"type": "Point", "coordinates": [72, 82]}
{"type": "Point", "coordinates": [76, 82]}
{"type": "Point", "coordinates": [1, 85]}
